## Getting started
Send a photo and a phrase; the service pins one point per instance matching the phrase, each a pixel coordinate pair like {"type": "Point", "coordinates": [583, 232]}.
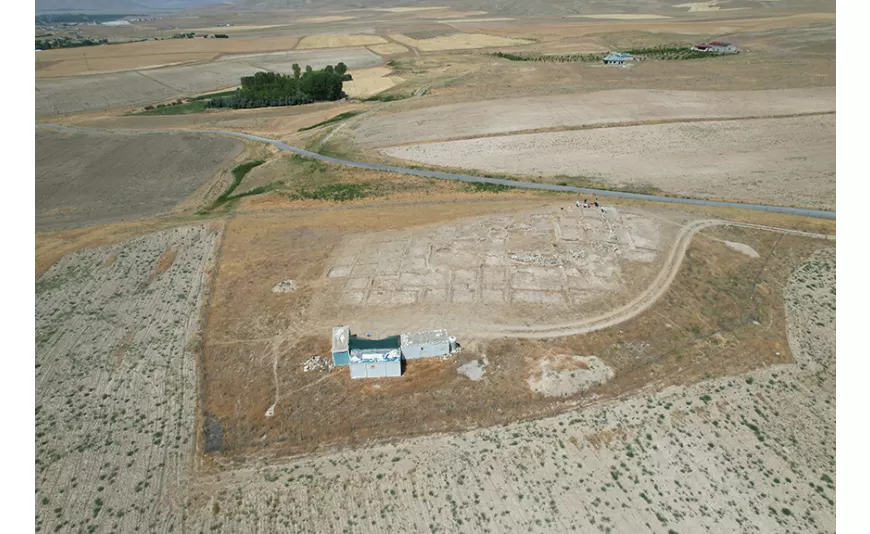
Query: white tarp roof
{"type": "Point", "coordinates": [429, 337]}
{"type": "Point", "coordinates": [340, 338]}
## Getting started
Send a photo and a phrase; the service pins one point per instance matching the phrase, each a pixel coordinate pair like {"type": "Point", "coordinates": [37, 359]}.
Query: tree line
{"type": "Point", "coordinates": [665, 52]}
{"type": "Point", "coordinates": [64, 42]}
{"type": "Point", "coordinates": [267, 89]}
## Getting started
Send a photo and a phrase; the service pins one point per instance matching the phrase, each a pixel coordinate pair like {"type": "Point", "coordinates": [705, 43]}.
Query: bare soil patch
{"type": "Point", "coordinates": [87, 179]}
{"type": "Point", "coordinates": [565, 375]}
{"type": "Point", "coordinates": [788, 161]}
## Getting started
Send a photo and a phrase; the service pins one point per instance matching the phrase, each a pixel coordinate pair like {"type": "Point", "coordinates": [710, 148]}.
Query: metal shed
{"type": "Point", "coordinates": [376, 365]}
{"type": "Point", "coordinates": [425, 344]}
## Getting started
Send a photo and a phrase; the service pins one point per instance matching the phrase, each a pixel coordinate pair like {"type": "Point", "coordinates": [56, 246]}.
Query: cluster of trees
{"type": "Point", "coordinates": [666, 52]}
{"type": "Point", "coordinates": [190, 35]}
{"type": "Point", "coordinates": [64, 42]}
{"type": "Point", "coordinates": [266, 89]}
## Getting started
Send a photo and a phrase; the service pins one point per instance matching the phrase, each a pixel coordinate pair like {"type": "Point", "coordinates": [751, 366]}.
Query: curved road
{"type": "Point", "coordinates": [818, 214]}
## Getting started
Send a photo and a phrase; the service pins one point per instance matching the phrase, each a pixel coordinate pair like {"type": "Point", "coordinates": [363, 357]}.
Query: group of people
{"type": "Point", "coordinates": [586, 204]}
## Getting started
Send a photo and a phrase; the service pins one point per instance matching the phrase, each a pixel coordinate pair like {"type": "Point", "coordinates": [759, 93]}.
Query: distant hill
{"type": "Point", "coordinates": [116, 6]}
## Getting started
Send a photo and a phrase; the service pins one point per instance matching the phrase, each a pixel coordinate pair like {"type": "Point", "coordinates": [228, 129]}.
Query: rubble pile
{"type": "Point", "coordinates": [317, 363]}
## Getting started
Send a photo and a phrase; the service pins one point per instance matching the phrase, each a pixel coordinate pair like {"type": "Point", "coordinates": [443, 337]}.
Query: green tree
{"type": "Point", "coordinates": [297, 72]}
{"type": "Point", "coordinates": [340, 69]}
{"type": "Point", "coordinates": [308, 69]}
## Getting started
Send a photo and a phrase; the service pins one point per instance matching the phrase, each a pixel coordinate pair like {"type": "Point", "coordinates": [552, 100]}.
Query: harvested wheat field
{"type": "Point", "coordinates": [150, 54]}
{"type": "Point", "coordinates": [458, 41]}
{"type": "Point", "coordinates": [339, 41]}
{"type": "Point", "coordinates": [492, 117]}
{"type": "Point", "coordinates": [788, 161]}
{"type": "Point", "coordinates": [88, 179]}
{"type": "Point", "coordinates": [388, 49]}
{"type": "Point", "coordinates": [116, 382]}
{"type": "Point", "coordinates": [106, 91]}
{"type": "Point", "coordinates": [368, 82]}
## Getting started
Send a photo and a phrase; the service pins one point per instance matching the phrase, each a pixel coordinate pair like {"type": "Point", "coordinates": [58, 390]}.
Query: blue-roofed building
{"type": "Point", "coordinates": [374, 358]}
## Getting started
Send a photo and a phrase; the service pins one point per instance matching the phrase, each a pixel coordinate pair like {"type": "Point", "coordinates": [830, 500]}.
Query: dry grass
{"type": "Point", "coordinates": [461, 41]}
{"type": "Point", "coordinates": [339, 41]}
{"type": "Point", "coordinates": [368, 82]}
{"type": "Point", "coordinates": [150, 54]}
{"type": "Point", "coordinates": [164, 262]}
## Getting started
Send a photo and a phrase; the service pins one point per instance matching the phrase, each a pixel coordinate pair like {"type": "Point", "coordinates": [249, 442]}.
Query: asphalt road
{"type": "Point", "coordinates": [817, 214]}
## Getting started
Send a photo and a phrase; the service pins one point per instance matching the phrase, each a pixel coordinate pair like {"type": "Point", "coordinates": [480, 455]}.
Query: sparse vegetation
{"type": "Point", "coordinates": [338, 118]}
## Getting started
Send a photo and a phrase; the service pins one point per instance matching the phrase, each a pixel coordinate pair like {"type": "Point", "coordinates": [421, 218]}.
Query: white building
{"type": "Point", "coordinates": [429, 344]}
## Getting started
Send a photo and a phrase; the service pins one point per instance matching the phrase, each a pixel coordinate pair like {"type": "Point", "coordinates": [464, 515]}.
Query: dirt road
{"type": "Point", "coordinates": [820, 214]}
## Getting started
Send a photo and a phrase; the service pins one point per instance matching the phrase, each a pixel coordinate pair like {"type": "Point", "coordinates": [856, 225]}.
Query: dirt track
{"type": "Point", "coordinates": [648, 297]}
